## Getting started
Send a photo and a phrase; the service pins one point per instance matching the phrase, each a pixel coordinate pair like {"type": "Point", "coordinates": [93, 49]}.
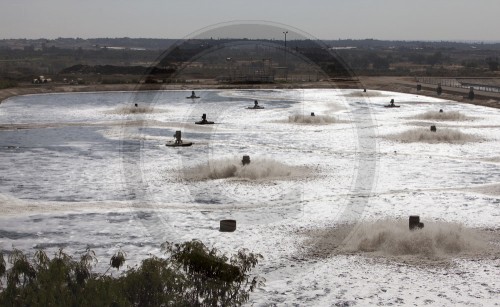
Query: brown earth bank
{"type": "Point", "coordinates": [395, 84]}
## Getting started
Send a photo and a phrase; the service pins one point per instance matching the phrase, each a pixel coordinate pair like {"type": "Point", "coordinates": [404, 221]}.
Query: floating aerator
{"type": "Point", "coordinates": [193, 95]}
{"type": "Point", "coordinates": [246, 160]}
{"type": "Point", "coordinates": [178, 141]}
{"type": "Point", "coordinates": [391, 104]}
{"type": "Point", "coordinates": [204, 120]}
{"type": "Point", "coordinates": [414, 222]}
{"type": "Point", "coordinates": [256, 106]}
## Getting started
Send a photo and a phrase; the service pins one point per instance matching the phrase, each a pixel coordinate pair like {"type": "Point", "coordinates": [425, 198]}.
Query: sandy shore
{"type": "Point", "coordinates": [395, 84]}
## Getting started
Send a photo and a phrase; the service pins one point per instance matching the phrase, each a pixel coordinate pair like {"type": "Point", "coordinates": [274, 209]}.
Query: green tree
{"type": "Point", "coordinates": [191, 274]}
{"type": "Point", "coordinates": [436, 58]}
{"type": "Point", "coordinates": [380, 63]}
{"type": "Point", "coordinates": [492, 63]}
{"type": "Point", "coordinates": [212, 278]}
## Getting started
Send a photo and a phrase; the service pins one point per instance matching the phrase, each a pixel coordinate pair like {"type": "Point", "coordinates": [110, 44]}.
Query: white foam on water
{"type": "Point", "coordinates": [442, 135]}
{"type": "Point", "coordinates": [125, 110]}
{"type": "Point", "coordinates": [443, 116]}
{"type": "Point", "coordinates": [258, 169]}
{"type": "Point", "coordinates": [66, 186]}
{"type": "Point", "coordinates": [436, 239]}
{"type": "Point", "coordinates": [308, 119]}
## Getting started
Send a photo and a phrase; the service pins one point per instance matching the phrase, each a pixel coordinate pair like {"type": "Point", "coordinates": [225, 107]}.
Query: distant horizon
{"type": "Point", "coordinates": [321, 39]}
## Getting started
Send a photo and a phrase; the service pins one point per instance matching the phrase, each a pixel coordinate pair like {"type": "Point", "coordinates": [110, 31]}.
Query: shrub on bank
{"type": "Point", "coordinates": [191, 274]}
{"type": "Point", "coordinates": [7, 84]}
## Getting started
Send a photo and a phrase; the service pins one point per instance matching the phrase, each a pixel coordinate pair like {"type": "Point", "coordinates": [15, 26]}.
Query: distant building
{"type": "Point", "coordinates": [41, 79]}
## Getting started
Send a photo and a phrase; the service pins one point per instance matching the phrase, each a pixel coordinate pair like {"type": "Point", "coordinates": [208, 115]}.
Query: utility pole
{"type": "Point", "coordinates": [286, 67]}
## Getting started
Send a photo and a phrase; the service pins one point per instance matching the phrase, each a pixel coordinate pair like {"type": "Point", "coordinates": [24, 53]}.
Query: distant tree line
{"type": "Point", "coordinates": [210, 58]}
{"type": "Point", "coordinates": [113, 69]}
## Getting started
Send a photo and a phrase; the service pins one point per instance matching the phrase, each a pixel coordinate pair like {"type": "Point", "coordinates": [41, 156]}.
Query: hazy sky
{"type": "Point", "coordinates": [324, 19]}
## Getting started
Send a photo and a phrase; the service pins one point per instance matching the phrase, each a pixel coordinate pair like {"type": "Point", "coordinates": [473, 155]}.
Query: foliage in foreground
{"type": "Point", "coordinates": [190, 275]}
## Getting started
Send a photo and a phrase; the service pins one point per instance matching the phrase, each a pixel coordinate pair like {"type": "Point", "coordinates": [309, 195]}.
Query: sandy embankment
{"type": "Point", "coordinates": [65, 88]}
{"type": "Point", "coordinates": [409, 85]}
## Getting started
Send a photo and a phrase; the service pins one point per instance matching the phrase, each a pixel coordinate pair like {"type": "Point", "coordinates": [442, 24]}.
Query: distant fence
{"type": "Point", "coordinates": [459, 83]}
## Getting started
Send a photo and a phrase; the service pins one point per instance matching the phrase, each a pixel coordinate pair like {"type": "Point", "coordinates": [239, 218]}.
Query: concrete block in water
{"type": "Point", "coordinates": [471, 93]}
{"type": "Point", "coordinates": [227, 225]}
